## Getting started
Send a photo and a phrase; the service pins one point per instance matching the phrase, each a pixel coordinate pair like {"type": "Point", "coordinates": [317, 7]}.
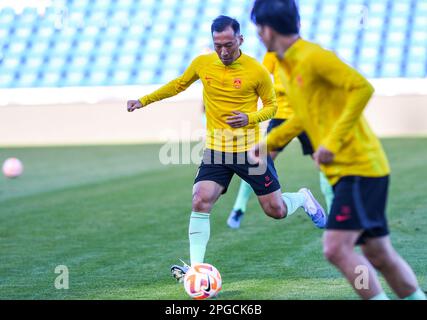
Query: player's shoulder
{"type": "Point", "coordinates": [245, 58]}
{"type": "Point", "coordinates": [315, 51]}
{"type": "Point", "coordinates": [205, 58]}
{"type": "Point", "coordinates": [253, 63]}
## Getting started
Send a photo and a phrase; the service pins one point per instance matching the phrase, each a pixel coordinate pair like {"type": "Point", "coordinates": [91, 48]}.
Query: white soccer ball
{"type": "Point", "coordinates": [12, 168]}
{"type": "Point", "coordinates": [202, 281]}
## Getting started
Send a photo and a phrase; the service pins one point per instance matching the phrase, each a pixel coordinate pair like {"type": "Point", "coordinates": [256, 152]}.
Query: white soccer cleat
{"type": "Point", "coordinates": [313, 209]}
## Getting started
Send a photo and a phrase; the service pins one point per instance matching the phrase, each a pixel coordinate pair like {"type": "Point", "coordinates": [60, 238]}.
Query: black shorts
{"type": "Point", "coordinates": [307, 148]}
{"type": "Point", "coordinates": [221, 166]}
{"type": "Point", "coordinates": [359, 204]}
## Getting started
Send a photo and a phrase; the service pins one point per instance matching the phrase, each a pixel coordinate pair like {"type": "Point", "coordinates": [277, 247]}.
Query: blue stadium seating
{"type": "Point", "coordinates": [132, 42]}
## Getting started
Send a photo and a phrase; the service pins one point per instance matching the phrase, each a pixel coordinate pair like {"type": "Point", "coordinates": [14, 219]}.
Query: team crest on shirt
{"type": "Point", "coordinates": [237, 83]}
{"type": "Point", "coordinates": [299, 80]}
{"type": "Point", "coordinates": [208, 80]}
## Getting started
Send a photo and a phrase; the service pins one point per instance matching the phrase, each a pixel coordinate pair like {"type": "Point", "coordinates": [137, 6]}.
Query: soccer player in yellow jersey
{"type": "Point", "coordinates": [284, 112]}
{"type": "Point", "coordinates": [328, 98]}
{"type": "Point", "coordinates": [232, 84]}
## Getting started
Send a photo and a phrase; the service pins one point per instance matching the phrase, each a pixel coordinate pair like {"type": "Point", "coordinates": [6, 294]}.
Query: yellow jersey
{"type": "Point", "coordinates": [284, 110]}
{"type": "Point", "coordinates": [236, 87]}
{"type": "Point", "coordinates": [328, 98]}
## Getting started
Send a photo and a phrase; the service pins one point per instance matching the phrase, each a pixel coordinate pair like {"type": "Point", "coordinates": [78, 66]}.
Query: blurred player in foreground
{"type": "Point", "coordinates": [232, 84]}
{"type": "Point", "coordinates": [284, 112]}
{"type": "Point", "coordinates": [328, 98]}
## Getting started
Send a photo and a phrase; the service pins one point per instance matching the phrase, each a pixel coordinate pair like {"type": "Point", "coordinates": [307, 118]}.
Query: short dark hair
{"type": "Point", "coordinates": [281, 15]}
{"type": "Point", "coordinates": [223, 22]}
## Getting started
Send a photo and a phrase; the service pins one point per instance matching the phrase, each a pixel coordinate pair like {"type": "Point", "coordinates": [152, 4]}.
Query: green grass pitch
{"type": "Point", "coordinates": [118, 219]}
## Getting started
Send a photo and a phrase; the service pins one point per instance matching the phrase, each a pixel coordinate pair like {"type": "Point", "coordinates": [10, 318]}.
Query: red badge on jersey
{"type": "Point", "coordinates": [300, 81]}
{"type": "Point", "coordinates": [237, 83]}
{"type": "Point", "coordinates": [208, 80]}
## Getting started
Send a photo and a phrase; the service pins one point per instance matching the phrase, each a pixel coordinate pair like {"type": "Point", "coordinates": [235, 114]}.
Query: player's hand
{"type": "Point", "coordinates": [133, 105]}
{"type": "Point", "coordinates": [239, 120]}
{"type": "Point", "coordinates": [258, 153]}
{"type": "Point", "coordinates": [323, 156]}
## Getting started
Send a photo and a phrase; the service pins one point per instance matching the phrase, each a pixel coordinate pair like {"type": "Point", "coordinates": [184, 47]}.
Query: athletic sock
{"type": "Point", "coordinates": [293, 201]}
{"type": "Point", "coordinates": [380, 296]}
{"type": "Point", "coordinates": [245, 192]}
{"type": "Point", "coordinates": [198, 233]}
{"type": "Point", "coordinates": [417, 295]}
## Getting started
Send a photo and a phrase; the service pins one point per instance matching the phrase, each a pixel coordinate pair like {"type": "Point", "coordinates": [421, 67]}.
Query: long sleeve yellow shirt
{"type": "Point", "coordinates": [236, 87]}
{"type": "Point", "coordinates": [328, 98]}
{"type": "Point", "coordinates": [284, 110]}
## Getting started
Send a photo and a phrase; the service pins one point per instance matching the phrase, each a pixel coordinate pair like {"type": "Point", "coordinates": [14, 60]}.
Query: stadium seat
{"type": "Point", "coordinates": [390, 70]}
{"type": "Point", "coordinates": [168, 75]}
{"type": "Point", "coordinates": [416, 70]}
{"type": "Point", "coordinates": [145, 77]}
{"type": "Point", "coordinates": [7, 17]}
{"type": "Point", "coordinates": [368, 59]}
{"type": "Point", "coordinates": [97, 42]}
{"type": "Point", "coordinates": [325, 25]}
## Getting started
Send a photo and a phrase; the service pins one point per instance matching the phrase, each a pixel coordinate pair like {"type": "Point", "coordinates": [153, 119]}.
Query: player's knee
{"type": "Point", "coordinates": [275, 211]}
{"type": "Point", "coordinates": [377, 262]}
{"type": "Point", "coordinates": [381, 259]}
{"type": "Point", "coordinates": [334, 252]}
{"type": "Point", "coordinates": [201, 203]}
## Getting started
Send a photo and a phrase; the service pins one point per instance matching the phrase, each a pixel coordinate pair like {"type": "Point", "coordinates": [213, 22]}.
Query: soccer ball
{"type": "Point", "coordinates": [202, 281]}
{"type": "Point", "coordinates": [12, 168]}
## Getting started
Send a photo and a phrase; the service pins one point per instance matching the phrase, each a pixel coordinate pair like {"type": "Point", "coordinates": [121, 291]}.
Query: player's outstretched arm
{"type": "Point", "coordinates": [281, 135]}
{"type": "Point", "coordinates": [170, 89]}
{"type": "Point", "coordinates": [358, 89]}
{"type": "Point", "coordinates": [278, 137]}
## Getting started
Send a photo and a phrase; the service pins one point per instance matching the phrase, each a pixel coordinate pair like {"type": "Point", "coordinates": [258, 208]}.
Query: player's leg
{"type": "Point", "coordinates": [358, 208]}
{"type": "Point", "coordinates": [398, 274]}
{"type": "Point", "coordinates": [273, 205]}
{"type": "Point", "coordinates": [205, 194]}
{"type": "Point", "coordinates": [239, 208]}
{"type": "Point", "coordinates": [245, 190]}
{"type": "Point", "coordinates": [338, 248]}
{"type": "Point", "coordinates": [279, 205]}
{"type": "Point", "coordinates": [211, 181]}
{"type": "Point", "coordinates": [265, 183]}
